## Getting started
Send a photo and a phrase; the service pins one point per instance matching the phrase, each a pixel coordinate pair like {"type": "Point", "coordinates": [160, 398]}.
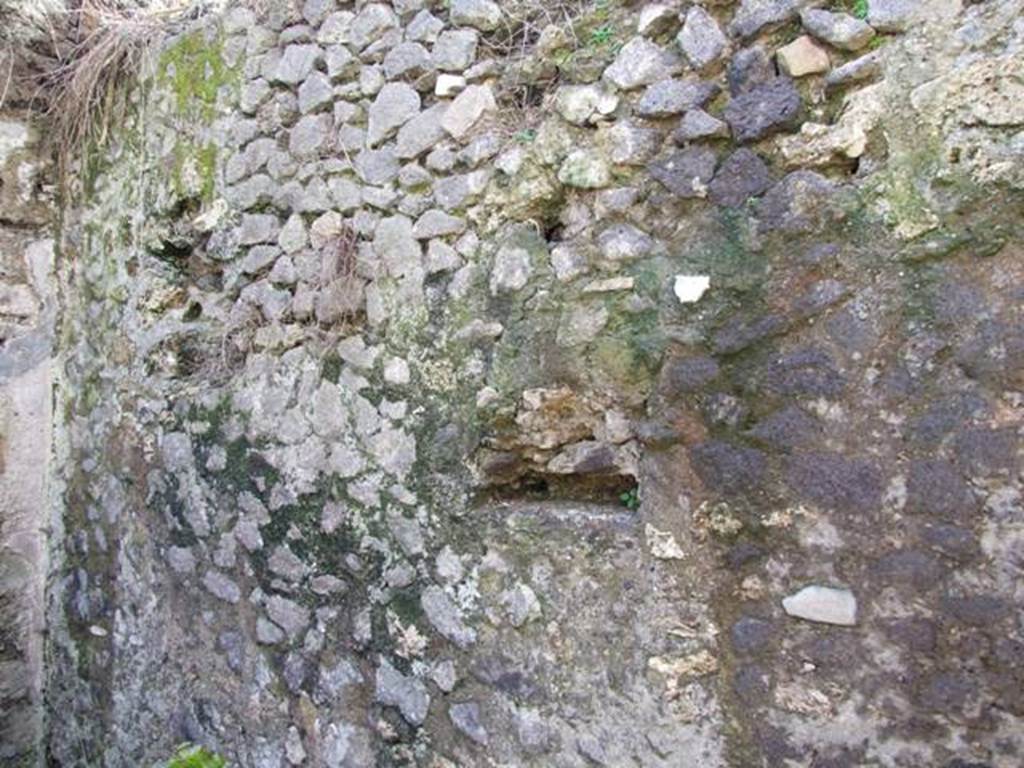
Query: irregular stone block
{"type": "Point", "coordinates": [640, 63]}
{"type": "Point", "coordinates": [838, 29]}
{"type": "Point", "coordinates": [467, 109]}
{"type": "Point", "coordinates": [685, 172]}
{"type": "Point", "coordinates": [764, 109]}
{"type": "Point", "coordinates": [824, 605]}
{"type": "Point", "coordinates": [802, 57]}
{"type": "Point", "coordinates": [701, 39]}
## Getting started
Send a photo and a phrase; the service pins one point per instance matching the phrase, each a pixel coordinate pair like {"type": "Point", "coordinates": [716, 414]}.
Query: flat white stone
{"type": "Point", "coordinates": [663, 544]}
{"type": "Point", "coordinates": [689, 288]}
{"type": "Point", "coordinates": [609, 285]}
{"type": "Point", "coordinates": [449, 85]}
{"type": "Point", "coordinates": [825, 605]}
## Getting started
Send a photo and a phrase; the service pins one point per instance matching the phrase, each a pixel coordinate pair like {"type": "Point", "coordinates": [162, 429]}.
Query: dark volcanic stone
{"type": "Point", "coordinates": [841, 757]}
{"type": "Point", "coordinates": [595, 459]}
{"type": "Point", "coordinates": [946, 692]}
{"type": "Point", "coordinates": [296, 670]}
{"type": "Point", "coordinates": [994, 353]}
{"type": "Point", "coordinates": [819, 297]}
{"type": "Point", "coordinates": [1008, 673]}
{"type": "Point", "coordinates": [896, 384]}
{"type": "Point", "coordinates": [984, 451]}
{"type": "Point", "coordinates": [952, 541]}
{"type": "Point", "coordinates": [748, 68]}
{"type": "Point", "coordinates": [742, 176]}
{"type": "Point", "coordinates": [829, 649]}
{"type": "Point", "coordinates": [821, 253]}
{"type": "Point", "coordinates": [685, 172]}
{"type": "Point", "coordinates": [802, 202]}
{"type": "Point", "coordinates": [788, 428]}
{"type": "Point", "coordinates": [935, 488]}
{"type": "Point", "coordinates": [722, 409]}
{"type": "Point", "coordinates": [233, 646]}
{"type": "Point", "coordinates": [688, 375]}
{"type": "Point", "coordinates": [742, 553]}
{"type": "Point", "coordinates": [851, 331]}
{"type": "Point", "coordinates": [834, 481]}
{"type": "Point", "coordinates": [751, 683]}
{"type": "Point", "coordinates": [773, 744]}
{"type": "Point", "coordinates": [658, 434]}
{"type": "Point", "coordinates": [804, 372]}
{"type": "Point", "coordinates": [911, 567]}
{"type": "Point", "coordinates": [766, 108]}
{"type": "Point", "coordinates": [739, 333]}
{"type": "Point", "coordinates": [976, 610]}
{"type": "Point", "coordinates": [506, 675]}
{"type": "Point", "coordinates": [500, 465]}
{"type": "Point", "coordinates": [945, 415]}
{"type": "Point", "coordinates": [727, 468]}
{"type": "Point", "coordinates": [957, 301]}
{"type": "Point", "coordinates": [917, 635]}
{"type": "Point", "coordinates": [750, 635]}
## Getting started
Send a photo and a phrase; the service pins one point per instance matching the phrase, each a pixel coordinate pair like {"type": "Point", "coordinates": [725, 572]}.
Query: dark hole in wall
{"type": "Point", "coordinates": [554, 233]}
{"type": "Point", "coordinates": [536, 486]}
{"type": "Point", "coordinates": [173, 251]}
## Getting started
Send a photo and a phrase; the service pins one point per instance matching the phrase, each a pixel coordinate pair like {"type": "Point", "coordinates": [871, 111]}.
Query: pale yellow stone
{"type": "Point", "coordinates": [803, 57]}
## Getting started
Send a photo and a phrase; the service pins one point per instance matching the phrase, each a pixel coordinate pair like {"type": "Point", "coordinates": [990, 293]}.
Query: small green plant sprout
{"type": "Point", "coordinates": [602, 35]}
{"type": "Point", "coordinates": [526, 136]}
{"type": "Point", "coordinates": [192, 756]}
{"type": "Point", "coordinates": [860, 9]}
{"type": "Point", "coordinates": [630, 499]}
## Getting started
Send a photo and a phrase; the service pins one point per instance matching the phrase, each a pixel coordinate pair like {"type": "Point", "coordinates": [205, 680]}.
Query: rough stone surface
{"type": "Point", "coordinates": [802, 57]}
{"type": "Point", "coordinates": [466, 110]}
{"type": "Point", "coordinates": [754, 15]}
{"type": "Point", "coordinates": [697, 124]}
{"type": "Point", "coordinates": [742, 175]}
{"type": "Point", "coordinates": [673, 97]}
{"type": "Point", "coordinates": [640, 63]}
{"type": "Point", "coordinates": [701, 40]}
{"type": "Point", "coordinates": [408, 694]}
{"type": "Point", "coordinates": [838, 29]}
{"type": "Point", "coordinates": [455, 50]}
{"type": "Point", "coordinates": [824, 605]}
{"type": "Point", "coordinates": [482, 14]}
{"type": "Point", "coordinates": [395, 105]}
{"type": "Point", "coordinates": [332, 437]}
{"type": "Point", "coordinates": [893, 15]}
{"type": "Point", "coordinates": [764, 109]}
{"type": "Point", "coordinates": [686, 172]}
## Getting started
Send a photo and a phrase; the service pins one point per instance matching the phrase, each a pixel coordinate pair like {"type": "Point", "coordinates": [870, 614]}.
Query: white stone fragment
{"type": "Point", "coordinates": [825, 605]}
{"type": "Point", "coordinates": [663, 544]}
{"type": "Point", "coordinates": [449, 85]}
{"type": "Point", "coordinates": [690, 288]}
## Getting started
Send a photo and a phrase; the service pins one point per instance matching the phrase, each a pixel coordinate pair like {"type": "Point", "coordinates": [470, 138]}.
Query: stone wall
{"type": "Point", "coordinates": [27, 310]}
{"type": "Point", "coordinates": [636, 386]}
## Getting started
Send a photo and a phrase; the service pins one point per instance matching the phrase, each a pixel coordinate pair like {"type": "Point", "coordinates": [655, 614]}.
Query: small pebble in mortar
{"type": "Point", "coordinates": [690, 288]}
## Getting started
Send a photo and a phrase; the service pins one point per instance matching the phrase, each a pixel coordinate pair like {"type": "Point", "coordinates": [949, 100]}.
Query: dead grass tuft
{"type": "Point", "coordinates": [340, 281]}
{"type": "Point", "coordinates": [536, 43]}
{"type": "Point", "coordinates": [76, 62]}
{"type": "Point", "coordinates": [87, 92]}
{"type": "Point", "coordinates": [523, 21]}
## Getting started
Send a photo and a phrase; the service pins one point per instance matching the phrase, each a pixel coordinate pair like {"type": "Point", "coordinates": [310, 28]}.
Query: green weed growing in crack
{"type": "Point", "coordinates": [191, 756]}
{"type": "Point", "coordinates": [602, 35]}
{"type": "Point", "coordinates": [630, 499]}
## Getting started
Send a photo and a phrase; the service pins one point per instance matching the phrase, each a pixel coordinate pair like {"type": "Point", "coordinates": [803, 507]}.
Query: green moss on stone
{"type": "Point", "coordinates": [195, 70]}
{"type": "Point", "coordinates": [195, 170]}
